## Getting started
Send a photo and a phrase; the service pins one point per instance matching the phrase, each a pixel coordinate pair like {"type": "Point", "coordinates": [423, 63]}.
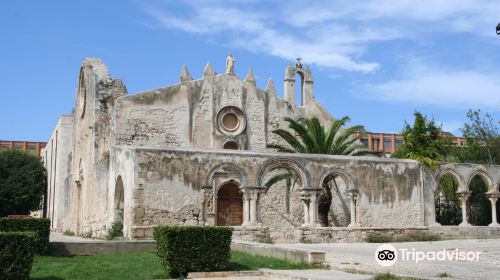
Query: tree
{"type": "Point", "coordinates": [312, 138]}
{"type": "Point", "coordinates": [425, 141]}
{"type": "Point", "coordinates": [482, 146]}
{"type": "Point", "coordinates": [22, 182]}
{"type": "Point", "coordinates": [482, 140]}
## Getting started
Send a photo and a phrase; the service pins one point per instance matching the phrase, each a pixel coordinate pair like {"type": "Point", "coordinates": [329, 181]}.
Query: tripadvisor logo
{"type": "Point", "coordinates": [387, 255]}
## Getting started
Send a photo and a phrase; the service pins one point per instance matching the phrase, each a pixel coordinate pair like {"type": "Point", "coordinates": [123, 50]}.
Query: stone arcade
{"type": "Point", "coordinates": [195, 154]}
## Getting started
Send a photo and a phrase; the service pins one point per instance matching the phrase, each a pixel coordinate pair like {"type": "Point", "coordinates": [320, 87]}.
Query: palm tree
{"type": "Point", "coordinates": [310, 137]}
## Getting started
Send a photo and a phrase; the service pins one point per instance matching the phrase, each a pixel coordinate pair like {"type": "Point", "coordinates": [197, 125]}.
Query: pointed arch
{"type": "Point", "coordinates": [449, 169]}
{"type": "Point", "coordinates": [285, 163]}
{"type": "Point", "coordinates": [229, 168]}
{"type": "Point", "coordinates": [483, 173]}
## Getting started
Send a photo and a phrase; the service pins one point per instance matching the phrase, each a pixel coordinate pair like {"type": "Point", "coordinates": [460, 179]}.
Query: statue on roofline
{"type": "Point", "coordinates": [230, 64]}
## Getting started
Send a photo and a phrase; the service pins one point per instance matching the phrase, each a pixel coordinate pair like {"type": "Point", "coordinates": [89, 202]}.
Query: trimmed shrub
{"type": "Point", "coordinates": [116, 231]}
{"type": "Point", "coordinates": [16, 255]}
{"type": "Point", "coordinates": [41, 228]}
{"type": "Point", "coordinates": [184, 249]}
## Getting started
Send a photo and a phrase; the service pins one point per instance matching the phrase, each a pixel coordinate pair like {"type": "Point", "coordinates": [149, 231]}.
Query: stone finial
{"type": "Point", "coordinates": [208, 71]}
{"type": "Point", "coordinates": [270, 88]}
{"type": "Point", "coordinates": [185, 76]}
{"type": "Point", "coordinates": [250, 77]}
{"type": "Point", "coordinates": [289, 74]}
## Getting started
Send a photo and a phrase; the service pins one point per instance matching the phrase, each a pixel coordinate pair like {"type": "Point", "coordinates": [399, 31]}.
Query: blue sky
{"type": "Point", "coordinates": [375, 61]}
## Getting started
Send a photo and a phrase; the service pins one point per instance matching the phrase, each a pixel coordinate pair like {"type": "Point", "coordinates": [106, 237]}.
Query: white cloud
{"type": "Point", "coordinates": [430, 84]}
{"type": "Point", "coordinates": [332, 34]}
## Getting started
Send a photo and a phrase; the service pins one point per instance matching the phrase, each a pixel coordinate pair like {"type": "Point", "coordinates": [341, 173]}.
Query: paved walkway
{"type": "Point", "coordinates": [360, 257]}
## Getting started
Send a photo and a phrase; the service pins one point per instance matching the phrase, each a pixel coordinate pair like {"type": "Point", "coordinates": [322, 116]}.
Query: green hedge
{"type": "Point", "coordinates": [40, 226]}
{"type": "Point", "coordinates": [16, 255]}
{"type": "Point", "coordinates": [184, 249]}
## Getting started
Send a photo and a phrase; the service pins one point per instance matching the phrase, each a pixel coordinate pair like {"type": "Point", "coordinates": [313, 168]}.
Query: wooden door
{"type": "Point", "coordinates": [229, 206]}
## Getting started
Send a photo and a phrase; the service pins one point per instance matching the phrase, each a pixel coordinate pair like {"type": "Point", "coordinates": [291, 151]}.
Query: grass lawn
{"type": "Point", "coordinates": [135, 266]}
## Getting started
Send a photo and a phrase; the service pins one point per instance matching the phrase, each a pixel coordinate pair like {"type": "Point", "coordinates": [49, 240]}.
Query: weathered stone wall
{"type": "Point", "coordinates": [186, 115]}
{"type": "Point", "coordinates": [57, 160]}
{"type": "Point", "coordinates": [164, 147]}
{"type": "Point", "coordinates": [172, 181]}
{"type": "Point", "coordinates": [93, 132]}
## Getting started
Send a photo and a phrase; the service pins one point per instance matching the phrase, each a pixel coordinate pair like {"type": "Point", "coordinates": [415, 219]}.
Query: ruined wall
{"type": "Point", "coordinates": [173, 181]}
{"type": "Point", "coordinates": [93, 135]}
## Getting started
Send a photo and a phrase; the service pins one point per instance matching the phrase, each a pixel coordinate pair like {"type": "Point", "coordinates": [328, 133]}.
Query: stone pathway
{"type": "Point", "coordinates": [360, 257]}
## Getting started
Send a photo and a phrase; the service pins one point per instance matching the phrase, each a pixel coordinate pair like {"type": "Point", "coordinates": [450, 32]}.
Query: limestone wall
{"type": "Point", "coordinates": [93, 134]}
{"type": "Point", "coordinates": [187, 115]}
{"type": "Point", "coordinates": [57, 160]}
{"type": "Point", "coordinates": [172, 186]}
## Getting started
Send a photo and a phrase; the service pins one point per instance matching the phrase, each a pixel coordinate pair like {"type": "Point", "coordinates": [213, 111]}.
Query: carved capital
{"type": "Point", "coordinates": [353, 193]}
{"type": "Point", "coordinates": [463, 195]}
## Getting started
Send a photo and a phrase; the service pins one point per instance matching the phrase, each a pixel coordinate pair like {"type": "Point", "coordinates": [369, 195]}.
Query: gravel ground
{"type": "Point", "coordinates": [360, 257]}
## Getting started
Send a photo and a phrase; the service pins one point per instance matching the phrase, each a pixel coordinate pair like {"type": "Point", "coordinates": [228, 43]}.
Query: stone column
{"type": "Point", "coordinates": [246, 207]}
{"type": "Point", "coordinates": [305, 197]}
{"type": "Point", "coordinates": [493, 196]}
{"type": "Point", "coordinates": [253, 207]}
{"type": "Point", "coordinates": [353, 195]}
{"type": "Point", "coordinates": [313, 209]}
{"type": "Point", "coordinates": [464, 195]}
{"type": "Point", "coordinates": [208, 215]}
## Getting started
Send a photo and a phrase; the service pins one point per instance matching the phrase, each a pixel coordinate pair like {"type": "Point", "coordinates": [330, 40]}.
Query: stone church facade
{"type": "Point", "coordinates": [195, 154]}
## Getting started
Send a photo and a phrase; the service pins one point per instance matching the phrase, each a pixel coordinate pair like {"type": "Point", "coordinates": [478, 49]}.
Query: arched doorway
{"type": "Point", "coordinates": [229, 205]}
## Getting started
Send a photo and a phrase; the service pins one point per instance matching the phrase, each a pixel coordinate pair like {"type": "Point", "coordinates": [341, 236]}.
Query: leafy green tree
{"type": "Point", "coordinates": [482, 146]}
{"type": "Point", "coordinates": [482, 140]}
{"type": "Point", "coordinates": [424, 141]}
{"type": "Point", "coordinates": [22, 182]}
{"type": "Point", "coordinates": [309, 136]}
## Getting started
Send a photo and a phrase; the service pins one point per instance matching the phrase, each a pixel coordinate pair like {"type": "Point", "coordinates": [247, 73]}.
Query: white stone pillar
{"type": "Point", "coordinates": [313, 209]}
{"type": "Point", "coordinates": [305, 197]}
{"type": "Point", "coordinates": [463, 199]}
{"type": "Point", "coordinates": [253, 207]}
{"type": "Point", "coordinates": [353, 194]}
{"type": "Point", "coordinates": [493, 199]}
{"type": "Point", "coordinates": [246, 207]}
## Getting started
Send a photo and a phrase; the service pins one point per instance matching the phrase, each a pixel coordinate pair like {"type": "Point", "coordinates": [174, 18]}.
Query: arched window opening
{"type": "Point", "coordinates": [299, 89]}
{"type": "Point", "coordinates": [447, 202]}
{"type": "Point", "coordinates": [231, 145]}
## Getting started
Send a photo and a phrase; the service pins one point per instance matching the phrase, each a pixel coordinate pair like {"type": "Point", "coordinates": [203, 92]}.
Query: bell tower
{"type": "Point", "coordinates": [306, 84]}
